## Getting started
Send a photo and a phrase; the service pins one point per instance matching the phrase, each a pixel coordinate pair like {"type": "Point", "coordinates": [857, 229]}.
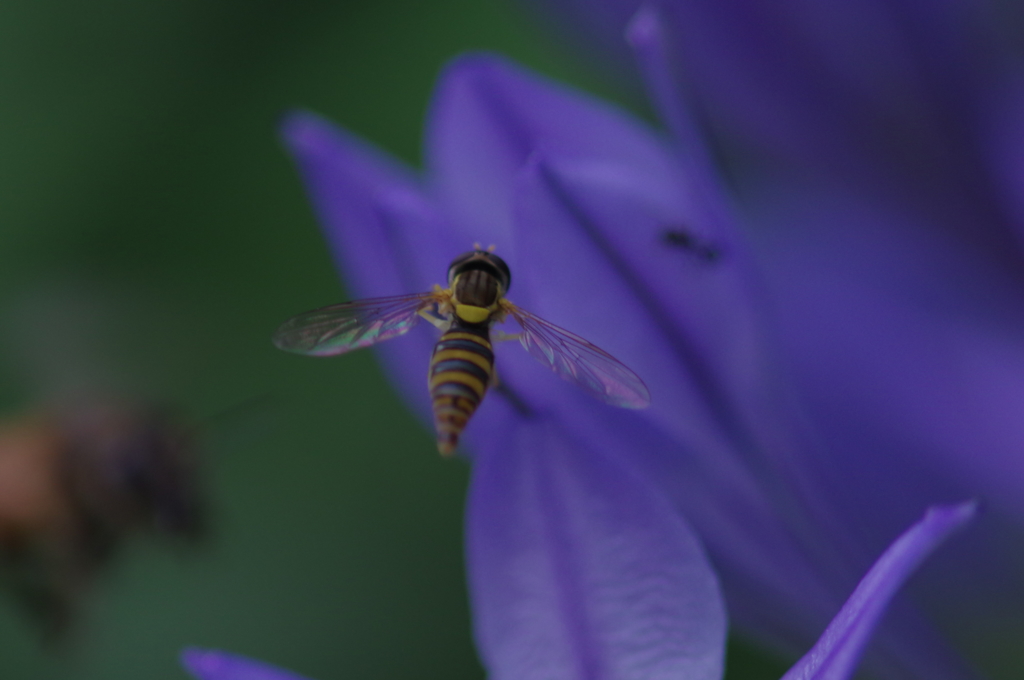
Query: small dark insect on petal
{"type": "Point", "coordinates": [683, 240]}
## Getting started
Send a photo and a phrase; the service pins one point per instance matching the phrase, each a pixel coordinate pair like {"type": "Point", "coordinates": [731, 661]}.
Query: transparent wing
{"type": "Point", "coordinates": [579, 361]}
{"type": "Point", "coordinates": [352, 325]}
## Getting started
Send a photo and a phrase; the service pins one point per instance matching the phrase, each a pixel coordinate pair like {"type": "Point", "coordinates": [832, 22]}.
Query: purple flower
{"type": "Point", "coordinates": [618, 235]}
{"type": "Point", "coordinates": [577, 561]}
{"type": "Point", "coordinates": [834, 657]}
{"type": "Point", "coordinates": [879, 156]}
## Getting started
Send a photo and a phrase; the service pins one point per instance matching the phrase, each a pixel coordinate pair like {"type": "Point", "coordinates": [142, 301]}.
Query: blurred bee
{"type": "Point", "coordinates": [462, 366]}
{"type": "Point", "coordinates": [74, 483]}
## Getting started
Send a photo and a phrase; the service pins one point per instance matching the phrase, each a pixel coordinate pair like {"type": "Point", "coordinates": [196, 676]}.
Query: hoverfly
{"type": "Point", "coordinates": [74, 483]}
{"type": "Point", "coordinates": [462, 365]}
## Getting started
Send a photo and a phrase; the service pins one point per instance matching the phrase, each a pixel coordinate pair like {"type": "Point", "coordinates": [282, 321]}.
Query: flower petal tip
{"type": "Point", "coordinates": [199, 661]}
{"type": "Point", "coordinates": [952, 516]}
{"type": "Point", "coordinates": [472, 65]}
{"type": "Point", "coordinates": [304, 131]}
{"type": "Point", "coordinates": [211, 664]}
{"type": "Point", "coordinates": [643, 28]}
{"type": "Point", "coordinates": [837, 652]}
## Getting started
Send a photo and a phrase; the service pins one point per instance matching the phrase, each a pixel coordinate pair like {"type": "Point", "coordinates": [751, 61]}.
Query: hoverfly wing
{"type": "Point", "coordinates": [580, 362]}
{"type": "Point", "coordinates": [337, 329]}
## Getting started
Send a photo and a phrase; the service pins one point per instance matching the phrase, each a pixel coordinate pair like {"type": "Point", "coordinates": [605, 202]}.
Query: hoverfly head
{"type": "Point", "coordinates": [481, 260]}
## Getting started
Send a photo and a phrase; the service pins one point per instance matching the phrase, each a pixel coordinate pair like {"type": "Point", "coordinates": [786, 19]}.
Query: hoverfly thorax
{"type": "Point", "coordinates": [476, 288]}
{"type": "Point", "coordinates": [477, 279]}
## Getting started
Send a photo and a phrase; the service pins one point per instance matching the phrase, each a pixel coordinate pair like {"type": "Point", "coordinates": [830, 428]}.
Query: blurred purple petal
{"type": "Point", "coordinates": [836, 654]}
{"type": "Point", "coordinates": [488, 117]}
{"type": "Point", "coordinates": [579, 568]}
{"type": "Point", "coordinates": [215, 665]}
{"type": "Point", "coordinates": [367, 204]}
{"type": "Point", "coordinates": [873, 92]}
{"type": "Point", "coordinates": [1002, 142]}
{"type": "Point", "coordinates": [901, 341]}
{"type": "Point", "coordinates": [925, 330]}
{"type": "Point", "coordinates": [647, 36]}
{"type": "Point", "coordinates": [849, 89]}
{"type": "Point", "coordinates": [595, 240]}
{"type": "Point", "coordinates": [385, 234]}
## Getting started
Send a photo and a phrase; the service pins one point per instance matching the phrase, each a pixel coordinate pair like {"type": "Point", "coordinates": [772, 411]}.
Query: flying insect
{"type": "Point", "coordinates": [75, 483]}
{"type": "Point", "coordinates": [462, 366]}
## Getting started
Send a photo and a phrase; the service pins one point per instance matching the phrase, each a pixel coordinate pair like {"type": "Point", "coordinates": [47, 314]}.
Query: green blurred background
{"type": "Point", "coordinates": [152, 235]}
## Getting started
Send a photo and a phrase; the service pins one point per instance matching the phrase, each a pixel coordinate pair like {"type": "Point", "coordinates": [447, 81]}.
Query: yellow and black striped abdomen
{"type": "Point", "coordinates": [460, 372]}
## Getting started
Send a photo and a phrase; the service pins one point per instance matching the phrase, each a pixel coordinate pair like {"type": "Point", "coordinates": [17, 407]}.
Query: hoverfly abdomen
{"type": "Point", "coordinates": [460, 373]}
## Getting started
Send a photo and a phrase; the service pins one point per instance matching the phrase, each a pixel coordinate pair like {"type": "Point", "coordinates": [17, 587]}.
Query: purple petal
{"type": "Point", "coordinates": [579, 568]}
{"type": "Point", "coordinates": [930, 335]}
{"type": "Point", "coordinates": [906, 346]}
{"type": "Point", "coordinates": [488, 117]}
{"type": "Point", "coordinates": [886, 96]}
{"type": "Point", "coordinates": [836, 654]}
{"type": "Point", "coordinates": [1003, 144]}
{"type": "Point", "coordinates": [647, 36]}
{"type": "Point", "coordinates": [214, 665]}
{"type": "Point", "coordinates": [368, 205]}
{"type": "Point", "coordinates": [592, 242]}
{"type": "Point", "coordinates": [387, 237]}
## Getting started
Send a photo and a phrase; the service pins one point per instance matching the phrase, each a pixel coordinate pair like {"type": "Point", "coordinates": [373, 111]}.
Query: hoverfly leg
{"type": "Point", "coordinates": [442, 323]}
{"type": "Point", "coordinates": [500, 336]}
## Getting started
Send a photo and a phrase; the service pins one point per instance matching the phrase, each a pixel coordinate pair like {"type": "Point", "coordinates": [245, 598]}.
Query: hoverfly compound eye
{"type": "Point", "coordinates": [481, 260]}
{"type": "Point", "coordinates": [504, 274]}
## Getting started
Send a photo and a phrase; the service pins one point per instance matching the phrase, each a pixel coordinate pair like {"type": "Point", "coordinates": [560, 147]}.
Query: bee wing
{"type": "Point", "coordinates": [579, 361]}
{"type": "Point", "coordinates": [337, 329]}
